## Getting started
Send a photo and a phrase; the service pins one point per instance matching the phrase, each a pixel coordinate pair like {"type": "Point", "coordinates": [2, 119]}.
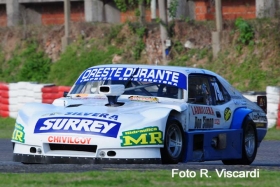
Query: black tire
{"type": "Point", "coordinates": [172, 154]}
{"type": "Point", "coordinates": [249, 144]}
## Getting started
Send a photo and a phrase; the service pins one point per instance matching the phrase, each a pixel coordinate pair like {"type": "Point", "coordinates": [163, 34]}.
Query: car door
{"type": "Point", "coordinates": [207, 103]}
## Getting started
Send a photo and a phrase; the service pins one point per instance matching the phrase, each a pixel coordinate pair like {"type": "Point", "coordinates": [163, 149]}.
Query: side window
{"type": "Point", "coordinates": [221, 96]}
{"type": "Point", "coordinates": [199, 90]}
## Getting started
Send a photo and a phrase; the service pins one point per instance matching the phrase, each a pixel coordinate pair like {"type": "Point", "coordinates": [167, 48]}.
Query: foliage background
{"type": "Point", "coordinates": [249, 58]}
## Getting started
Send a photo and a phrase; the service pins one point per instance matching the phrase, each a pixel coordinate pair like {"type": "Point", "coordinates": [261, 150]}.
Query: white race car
{"type": "Point", "coordinates": [142, 114]}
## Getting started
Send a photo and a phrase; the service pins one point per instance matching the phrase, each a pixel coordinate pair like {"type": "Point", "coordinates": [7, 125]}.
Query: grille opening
{"type": "Point", "coordinates": [32, 150]}
{"type": "Point", "coordinates": [71, 147]}
{"type": "Point", "coordinates": [111, 153]}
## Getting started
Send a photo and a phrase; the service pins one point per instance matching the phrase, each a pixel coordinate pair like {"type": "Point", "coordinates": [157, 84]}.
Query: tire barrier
{"type": "Point", "coordinates": [14, 95]}
{"type": "Point", "coordinates": [273, 102]}
{"type": "Point", "coordinates": [4, 100]}
{"type": "Point", "coordinates": [50, 93]}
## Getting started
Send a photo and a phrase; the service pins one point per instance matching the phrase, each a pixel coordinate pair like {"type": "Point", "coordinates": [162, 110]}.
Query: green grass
{"type": "Point", "coordinates": [273, 134]}
{"type": "Point", "coordinates": [134, 178]}
{"type": "Point", "coordinates": [7, 127]}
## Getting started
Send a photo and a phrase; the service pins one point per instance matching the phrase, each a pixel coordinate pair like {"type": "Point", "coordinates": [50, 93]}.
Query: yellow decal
{"type": "Point", "coordinates": [227, 114]}
{"type": "Point", "coordinates": [145, 136]}
{"type": "Point", "coordinates": [18, 134]}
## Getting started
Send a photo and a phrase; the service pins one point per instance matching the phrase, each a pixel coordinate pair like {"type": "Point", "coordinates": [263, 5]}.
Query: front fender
{"type": "Point", "coordinates": [238, 117]}
{"type": "Point", "coordinates": [29, 109]}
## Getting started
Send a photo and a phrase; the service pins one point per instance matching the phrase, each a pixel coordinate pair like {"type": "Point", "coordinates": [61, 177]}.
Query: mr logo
{"type": "Point", "coordinates": [145, 136]}
{"type": "Point", "coordinates": [78, 126]}
{"type": "Point", "coordinates": [18, 134]}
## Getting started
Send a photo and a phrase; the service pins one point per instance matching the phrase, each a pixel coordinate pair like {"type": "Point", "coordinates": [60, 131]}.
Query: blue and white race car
{"type": "Point", "coordinates": [142, 114]}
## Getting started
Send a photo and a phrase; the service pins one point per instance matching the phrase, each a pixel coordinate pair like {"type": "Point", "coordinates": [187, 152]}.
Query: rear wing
{"type": "Point", "coordinates": [262, 102]}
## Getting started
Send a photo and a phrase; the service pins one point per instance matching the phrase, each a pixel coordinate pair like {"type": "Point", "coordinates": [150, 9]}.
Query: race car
{"type": "Point", "coordinates": [132, 114]}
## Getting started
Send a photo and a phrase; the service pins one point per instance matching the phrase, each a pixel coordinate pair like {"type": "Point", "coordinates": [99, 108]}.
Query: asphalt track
{"type": "Point", "coordinates": [268, 158]}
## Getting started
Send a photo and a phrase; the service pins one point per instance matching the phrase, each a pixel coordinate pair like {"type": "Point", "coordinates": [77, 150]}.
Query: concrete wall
{"type": "Point", "coordinates": [111, 13]}
{"type": "Point", "coordinates": [30, 14]}
{"type": "Point", "coordinates": [94, 10]}
{"type": "Point", "coordinates": [266, 8]}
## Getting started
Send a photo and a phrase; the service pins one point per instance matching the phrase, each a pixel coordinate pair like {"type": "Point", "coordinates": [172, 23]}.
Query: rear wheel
{"type": "Point", "coordinates": [174, 143]}
{"type": "Point", "coordinates": [249, 144]}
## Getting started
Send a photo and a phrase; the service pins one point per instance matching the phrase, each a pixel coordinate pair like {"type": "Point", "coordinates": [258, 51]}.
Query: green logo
{"type": "Point", "coordinates": [227, 114]}
{"type": "Point", "coordinates": [18, 134]}
{"type": "Point", "coordinates": [145, 136]}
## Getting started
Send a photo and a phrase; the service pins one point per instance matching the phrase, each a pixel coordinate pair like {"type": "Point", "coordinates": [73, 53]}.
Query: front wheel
{"type": "Point", "coordinates": [249, 144]}
{"type": "Point", "coordinates": [174, 143]}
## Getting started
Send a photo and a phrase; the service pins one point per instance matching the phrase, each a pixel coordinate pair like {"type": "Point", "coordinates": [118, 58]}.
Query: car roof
{"type": "Point", "coordinates": [184, 70]}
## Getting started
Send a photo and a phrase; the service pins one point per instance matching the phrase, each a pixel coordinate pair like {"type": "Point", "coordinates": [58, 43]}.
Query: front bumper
{"type": "Point", "coordinates": [73, 154]}
{"type": "Point", "coordinates": [39, 159]}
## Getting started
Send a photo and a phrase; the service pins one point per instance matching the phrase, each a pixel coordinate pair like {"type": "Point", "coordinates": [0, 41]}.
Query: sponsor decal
{"type": "Point", "coordinates": [202, 110]}
{"type": "Point", "coordinates": [240, 102]}
{"type": "Point", "coordinates": [259, 117]}
{"type": "Point", "coordinates": [260, 125]}
{"type": "Point", "coordinates": [18, 134]}
{"type": "Point", "coordinates": [203, 123]}
{"type": "Point", "coordinates": [135, 74]}
{"type": "Point", "coordinates": [90, 97]}
{"type": "Point", "coordinates": [227, 114]}
{"type": "Point", "coordinates": [78, 126]}
{"type": "Point", "coordinates": [52, 114]}
{"type": "Point", "coordinates": [144, 99]}
{"type": "Point", "coordinates": [145, 136]}
{"type": "Point", "coordinates": [99, 115]}
{"type": "Point", "coordinates": [81, 95]}
{"type": "Point", "coordinates": [217, 121]}
{"type": "Point", "coordinates": [68, 140]}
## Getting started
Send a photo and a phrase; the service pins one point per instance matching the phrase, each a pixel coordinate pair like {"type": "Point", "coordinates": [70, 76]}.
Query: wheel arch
{"type": "Point", "coordinates": [173, 118]}
{"type": "Point", "coordinates": [238, 117]}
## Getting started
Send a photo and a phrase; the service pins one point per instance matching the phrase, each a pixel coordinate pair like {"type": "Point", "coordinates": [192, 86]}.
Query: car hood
{"type": "Point", "coordinates": [93, 117]}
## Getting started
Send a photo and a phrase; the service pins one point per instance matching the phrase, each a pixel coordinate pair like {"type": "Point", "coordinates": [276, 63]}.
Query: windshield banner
{"type": "Point", "coordinates": [135, 74]}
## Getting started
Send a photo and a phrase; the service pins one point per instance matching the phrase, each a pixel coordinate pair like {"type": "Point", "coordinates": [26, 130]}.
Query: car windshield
{"type": "Point", "coordinates": [131, 88]}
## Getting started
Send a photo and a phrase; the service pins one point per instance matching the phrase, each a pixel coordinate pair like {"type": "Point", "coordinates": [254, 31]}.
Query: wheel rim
{"type": "Point", "coordinates": [174, 141]}
{"type": "Point", "coordinates": [250, 142]}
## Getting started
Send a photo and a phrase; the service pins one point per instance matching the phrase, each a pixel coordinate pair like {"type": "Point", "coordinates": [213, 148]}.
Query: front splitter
{"type": "Point", "coordinates": [39, 159]}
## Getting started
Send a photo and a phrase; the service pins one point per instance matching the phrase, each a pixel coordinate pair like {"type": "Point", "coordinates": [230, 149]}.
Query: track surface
{"type": "Point", "coordinates": [268, 157]}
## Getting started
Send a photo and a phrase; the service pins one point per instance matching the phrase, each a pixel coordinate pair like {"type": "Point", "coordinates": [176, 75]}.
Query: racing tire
{"type": "Point", "coordinates": [249, 144]}
{"type": "Point", "coordinates": [174, 143]}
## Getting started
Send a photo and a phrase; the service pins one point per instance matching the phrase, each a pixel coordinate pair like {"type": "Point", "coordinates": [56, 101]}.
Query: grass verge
{"type": "Point", "coordinates": [6, 127]}
{"type": "Point", "coordinates": [135, 178]}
